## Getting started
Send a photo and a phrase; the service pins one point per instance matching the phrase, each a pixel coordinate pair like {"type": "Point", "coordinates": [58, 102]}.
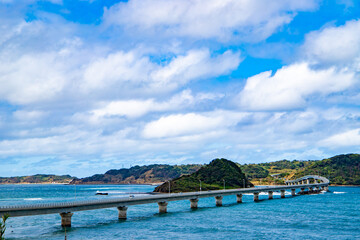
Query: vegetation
{"type": "Point", "coordinates": [213, 176]}
{"type": "Point", "coordinates": [3, 226]}
{"type": "Point", "coordinates": [340, 170]}
{"type": "Point", "coordinates": [273, 173]}
{"type": "Point", "coordinates": [155, 173]}
{"type": "Point", "coordinates": [38, 178]}
{"type": "Point", "coordinates": [253, 171]}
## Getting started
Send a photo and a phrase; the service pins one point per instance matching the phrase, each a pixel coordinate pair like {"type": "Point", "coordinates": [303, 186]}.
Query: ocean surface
{"type": "Point", "coordinates": [334, 215]}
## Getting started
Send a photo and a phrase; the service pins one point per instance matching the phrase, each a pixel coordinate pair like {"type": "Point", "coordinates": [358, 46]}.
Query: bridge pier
{"type": "Point", "coordinates": [122, 212]}
{"type": "Point", "coordinates": [218, 200]}
{"type": "Point", "coordinates": [66, 219]}
{"type": "Point", "coordinates": [239, 198]}
{"type": "Point", "coordinates": [326, 188]}
{"type": "Point", "coordinates": [282, 193]}
{"type": "Point", "coordinates": [162, 207]}
{"type": "Point", "coordinates": [194, 203]}
{"type": "Point", "coordinates": [271, 194]}
{"type": "Point", "coordinates": [302, 190]}
{"type": "Point", "coordinates": [256, 196]}
{"type": "Point", "coordinates": [293, 193]}
{"type": "Point", "coordinates": [307, 181]}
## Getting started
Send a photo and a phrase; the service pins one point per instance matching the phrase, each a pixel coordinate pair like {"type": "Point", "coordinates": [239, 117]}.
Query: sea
{"type": "Point", "coordinates": [331, 215]}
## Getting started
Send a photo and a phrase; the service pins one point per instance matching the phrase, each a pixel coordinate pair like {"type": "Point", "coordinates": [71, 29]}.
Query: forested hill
{"type": "Point", "coordinates": [341, 169]}
{"type": "Point", "coordinates": [38, 178]}
{"type": "Point", "coordinates": [155, 173]}
{"type": "Point", "coordinates": [218, 174]}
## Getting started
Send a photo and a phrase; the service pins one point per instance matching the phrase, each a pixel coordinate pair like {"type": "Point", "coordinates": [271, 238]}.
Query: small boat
{"type": "Point", "coordinates": [101, 193]}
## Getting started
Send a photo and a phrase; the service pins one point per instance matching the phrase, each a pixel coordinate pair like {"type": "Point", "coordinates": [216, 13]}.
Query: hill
{"type": "Point", "coordinates": [273, 173]}
{"type": "Point", "coordinates": [148, 174]}
{"type": "Point", "coordinates": [38, 178]}
{"type": "Point", "coordinates": [340, 170]}
{"type": "Point", "coordinates": [213, 176]}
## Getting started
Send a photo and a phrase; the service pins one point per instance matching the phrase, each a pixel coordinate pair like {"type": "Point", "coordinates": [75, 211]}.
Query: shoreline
{"type": "Point", "coordinates": [45, 183]}
{"type": "Point", "coordinates": [148, 184]}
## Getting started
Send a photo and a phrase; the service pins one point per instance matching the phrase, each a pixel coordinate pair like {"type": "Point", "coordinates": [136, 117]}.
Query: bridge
{"type": "Point", "coordinates": [66, 209]}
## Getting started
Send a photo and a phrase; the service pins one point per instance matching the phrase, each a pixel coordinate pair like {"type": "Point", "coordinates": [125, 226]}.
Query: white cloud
{"type": "Point", "coordinates": [133, 69]}
{"type": "Point", "coordinates": [248, 20]}
{"type": "Point", "coordinates": [290, 87]}
{"type": "Point", "coordinates": [191, 124]}
{"type": "Point", "coordinates": [348, 138]}
{"type": "Point", "coordinates": [196, 64]}
{"type": "Point", "coordinates": [22, 115]}
{"type": "Point", "coordinates": [137, 108]}
{"type": "Point", "coordinates": [31, 78]}
{"type": "Point", "coordinates": [119, 68]}
{"type": "Point", "coordinates": [334, 45]}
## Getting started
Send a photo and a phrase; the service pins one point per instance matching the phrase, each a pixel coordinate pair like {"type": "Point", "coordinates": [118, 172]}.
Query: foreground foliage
{"type": "Point", "coordinates": [3, 226]}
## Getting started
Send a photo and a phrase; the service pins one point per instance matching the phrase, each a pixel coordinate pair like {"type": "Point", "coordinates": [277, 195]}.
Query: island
{"type": "Point", "coordinates": [218, 174]}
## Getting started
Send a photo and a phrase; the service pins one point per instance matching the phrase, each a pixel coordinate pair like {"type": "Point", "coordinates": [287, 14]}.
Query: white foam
{"type": "Point", "coordinates": [32, 199]}
{"type": "Point", "coordinates": [338, 192]}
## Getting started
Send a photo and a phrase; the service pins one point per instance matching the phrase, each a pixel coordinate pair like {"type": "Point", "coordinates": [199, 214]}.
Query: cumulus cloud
{"type": "Point", "coordinates": [136, 70]}
{"type": "Point", "coordinates": [31, 78]}
{"type": "Point", "coordinates": [347, 138]}
{"type": "Point", "coordinates": [334, 45]}
{"type": "Point", "coordinates": [191, 123]}
{"type": "Point", "coordinates": [291, 85]}
{"type": "Point", "coordinates": [135, 108]}
{"type": "Point", "coordinates": [249, 20]}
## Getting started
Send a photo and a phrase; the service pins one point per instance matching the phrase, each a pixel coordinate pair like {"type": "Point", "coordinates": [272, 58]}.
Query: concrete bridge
{"type": "Point", "coordinates": [66, 209]}
{"type": "Point", "coordinates": [307, 180]}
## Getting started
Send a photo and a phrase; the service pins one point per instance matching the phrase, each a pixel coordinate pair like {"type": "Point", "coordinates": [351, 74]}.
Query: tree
{"type": "Point", "coordinates": [3, 226]}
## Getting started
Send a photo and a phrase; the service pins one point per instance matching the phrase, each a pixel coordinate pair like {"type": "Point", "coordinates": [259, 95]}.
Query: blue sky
{"type": "Point", "coordinates": [90, 85]}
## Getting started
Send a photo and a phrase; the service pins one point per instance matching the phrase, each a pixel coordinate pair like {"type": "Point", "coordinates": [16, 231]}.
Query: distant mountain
{"type": "Point", "coordinates": [149, 174]}
{"type": "Point", "coordinates": [217, 174]}
{"type": "Point", "coordinates": [38, 178]}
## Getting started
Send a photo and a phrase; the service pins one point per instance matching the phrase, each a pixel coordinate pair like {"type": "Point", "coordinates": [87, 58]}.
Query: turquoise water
{"type": "Point", "coordinates": [324, 216]}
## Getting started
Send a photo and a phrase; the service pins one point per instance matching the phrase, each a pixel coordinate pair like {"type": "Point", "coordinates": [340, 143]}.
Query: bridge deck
{"type": "Point", "coordinates": [51, 208]}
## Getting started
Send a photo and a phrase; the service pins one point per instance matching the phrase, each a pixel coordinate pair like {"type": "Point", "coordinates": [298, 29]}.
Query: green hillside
{"type": "Point", "coordinates": [38, 178]}
{"type": "Point", "coordinates": [213, 176]}
{"type": "Point", "coordinates": [148, 174]}
{"type": "Point", "coordinates": [340, 170]}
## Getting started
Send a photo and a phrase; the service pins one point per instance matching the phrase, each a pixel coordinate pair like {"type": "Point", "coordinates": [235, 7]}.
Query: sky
{"type": "Point", "coordinates": [90, 85]}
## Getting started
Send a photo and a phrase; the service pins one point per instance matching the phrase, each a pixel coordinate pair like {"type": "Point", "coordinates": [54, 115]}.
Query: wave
{"type": "Point", "coordinates": [339, 192]}
{"type": "Point", "coordinates": [32, 199]}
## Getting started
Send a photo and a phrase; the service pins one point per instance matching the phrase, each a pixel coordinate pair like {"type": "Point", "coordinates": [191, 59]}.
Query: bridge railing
{"type": "Point", "coordinates": [316, 177]}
